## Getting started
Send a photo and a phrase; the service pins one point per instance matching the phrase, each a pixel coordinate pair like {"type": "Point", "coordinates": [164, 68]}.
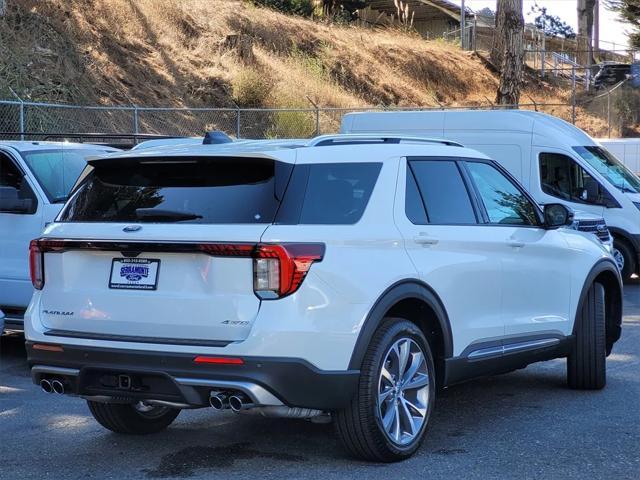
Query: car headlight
{"type": "Point", "coordinates": [637, 204]}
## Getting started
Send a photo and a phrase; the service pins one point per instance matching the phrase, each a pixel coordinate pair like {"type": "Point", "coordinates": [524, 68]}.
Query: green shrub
{"type": "Point", "coordinates": [251, 88]}
{"type": "Point", "coordinates": [292, 124]}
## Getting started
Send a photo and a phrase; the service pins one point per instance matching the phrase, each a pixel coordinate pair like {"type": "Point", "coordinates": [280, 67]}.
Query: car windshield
{"type": "Point", "coordinates": [58, 169]}
{"type": "Point", "coordinates": [610, 168]}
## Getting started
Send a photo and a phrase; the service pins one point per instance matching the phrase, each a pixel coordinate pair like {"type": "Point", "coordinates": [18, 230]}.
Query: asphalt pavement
{"type": "Point", "coordinates": [524, 425]}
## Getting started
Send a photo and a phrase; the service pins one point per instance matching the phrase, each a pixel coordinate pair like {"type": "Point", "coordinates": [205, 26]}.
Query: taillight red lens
{"type": "Point", "coordinates": [280, 269]}
{"type": "Point", "coordinates": [36, 265]}
{"type": "Point", "coordinates": [218, 360]}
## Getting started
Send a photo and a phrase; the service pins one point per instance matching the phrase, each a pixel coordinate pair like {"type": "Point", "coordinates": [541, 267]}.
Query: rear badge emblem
{"type": "Point", "coordinates": [132, 228]}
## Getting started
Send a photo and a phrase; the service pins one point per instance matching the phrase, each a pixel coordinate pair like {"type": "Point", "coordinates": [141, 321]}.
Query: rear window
{"type": "Point", "coordinates": [329, 193]}
{"type": "Point", "coordinates": [188, 190]}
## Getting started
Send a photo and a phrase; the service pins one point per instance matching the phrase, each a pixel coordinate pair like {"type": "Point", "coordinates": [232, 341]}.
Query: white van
{"type": "Point", "coordinates": [627, 150]}
{"type": "Point", "coordinates": [553, 159]}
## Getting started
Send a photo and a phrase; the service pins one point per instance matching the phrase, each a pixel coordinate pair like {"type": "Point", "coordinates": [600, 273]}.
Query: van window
{"type": "Point", "coordinates": [443, 192]}
{"type": "Point", "coordinates": [562, 177]}
{"type": "Point", "coordinates": [504, 202]}
{"type": "Point", "coordinates": [610, 168]}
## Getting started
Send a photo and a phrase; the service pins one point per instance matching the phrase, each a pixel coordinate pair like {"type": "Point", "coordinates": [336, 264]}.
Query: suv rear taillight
{"type": "Point", "coordinates": [278, 270]}
{"type": "Point", "coordinates": [36, 265]}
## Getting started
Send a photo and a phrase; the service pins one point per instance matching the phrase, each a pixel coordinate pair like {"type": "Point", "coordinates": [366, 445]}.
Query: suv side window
{"type": "Point", "coordinates": [336, 193]}
{"type": "Point", "coordinates": [13, 183]}
{"type": "Point", "coordinates": [562, 177]}
{"type": "Point", "coordinates": [504, 202]}
{"type": "Point", "coordinates": [436, 194]}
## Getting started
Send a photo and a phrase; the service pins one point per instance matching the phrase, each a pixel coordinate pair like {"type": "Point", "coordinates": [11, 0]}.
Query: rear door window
{"type": "Point", "coordinates": [445, 199]}
{"type": "Point", "coordinates": [186, 190]}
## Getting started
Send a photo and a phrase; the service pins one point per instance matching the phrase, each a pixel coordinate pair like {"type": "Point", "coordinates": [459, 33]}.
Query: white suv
{"type": "Point", "coordinates": [350, 275]}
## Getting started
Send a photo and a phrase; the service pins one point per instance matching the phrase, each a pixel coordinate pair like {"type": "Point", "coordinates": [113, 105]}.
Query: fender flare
{"type": "Point", "coordinates": [613, 329]}
{"type": "Point", "coordinates": [397, 292]}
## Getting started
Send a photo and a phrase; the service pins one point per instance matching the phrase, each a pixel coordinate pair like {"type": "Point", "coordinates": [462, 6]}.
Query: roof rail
{"type": "Point", "coordinates": [351, 138]}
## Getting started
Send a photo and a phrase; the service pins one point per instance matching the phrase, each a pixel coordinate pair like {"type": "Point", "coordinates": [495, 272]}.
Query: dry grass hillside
{"type": "Point", "coordinates": [217, 53]}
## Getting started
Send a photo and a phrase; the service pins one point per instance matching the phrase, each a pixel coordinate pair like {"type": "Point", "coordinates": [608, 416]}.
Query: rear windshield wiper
{"type": "Point", "coordinates": [159, 214]}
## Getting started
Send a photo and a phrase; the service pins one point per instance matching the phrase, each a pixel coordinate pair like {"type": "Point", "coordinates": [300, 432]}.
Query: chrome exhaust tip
{"type": "Point", "coordinates": [46, 386]}
{"type": "Point", "coordinates": [57, 386]}
{"type": "Point", "coordinates": [218, 401]}
{"type": "Point", "coordinates": [239, 402]}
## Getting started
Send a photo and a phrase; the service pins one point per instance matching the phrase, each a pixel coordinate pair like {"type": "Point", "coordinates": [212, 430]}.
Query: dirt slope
{"type": "Point", "coordinates": [215, 53]}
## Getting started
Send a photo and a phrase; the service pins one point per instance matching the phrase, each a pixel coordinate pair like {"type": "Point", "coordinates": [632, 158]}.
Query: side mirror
{"type": "Point", "coordinates": [11, 203]}
{"type": "Point", "coordinates": [557, 215]}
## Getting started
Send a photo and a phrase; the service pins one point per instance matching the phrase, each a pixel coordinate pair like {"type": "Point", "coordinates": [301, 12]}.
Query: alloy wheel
{"type": "Point", "coordinates": [403, 391]}
{"type": "Point", "coordinates": [619, 258]}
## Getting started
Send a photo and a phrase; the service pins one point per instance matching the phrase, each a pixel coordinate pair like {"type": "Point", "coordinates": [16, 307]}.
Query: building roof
{"type": "Point", "coordinates": [422, 9]}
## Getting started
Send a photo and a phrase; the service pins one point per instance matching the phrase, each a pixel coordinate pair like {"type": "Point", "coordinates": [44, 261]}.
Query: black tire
{"type": "Point", "coordinates": [630, 259]}
{"type": "Point", "coordinates": [360, 425]}
{"type": "Point", "coordinates": [586, 364]}
{"type": "Point", "coordinates": [126, 419]}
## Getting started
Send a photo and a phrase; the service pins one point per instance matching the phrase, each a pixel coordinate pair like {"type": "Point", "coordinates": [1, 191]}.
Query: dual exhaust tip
{"type": "Point", "coordinates": [52, 386]}
{"type": "Point", "coordinates": [224, 400]}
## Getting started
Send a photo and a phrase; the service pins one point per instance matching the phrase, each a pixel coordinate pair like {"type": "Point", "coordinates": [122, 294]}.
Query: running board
{"type": "Point", "coordinates": [512, 348]}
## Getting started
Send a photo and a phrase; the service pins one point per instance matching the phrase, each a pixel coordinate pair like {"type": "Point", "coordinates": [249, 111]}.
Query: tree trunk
{"type": "Point", "coordinates": [510, 30]}
{"type": "Point", "coordinates": [585, 31]}
{"type": "Point", "coordinates": [498, 41]}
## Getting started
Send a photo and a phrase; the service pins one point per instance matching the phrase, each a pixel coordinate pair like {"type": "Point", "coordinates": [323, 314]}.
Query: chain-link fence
{"type": "Point", "coordinates": [614, 113]}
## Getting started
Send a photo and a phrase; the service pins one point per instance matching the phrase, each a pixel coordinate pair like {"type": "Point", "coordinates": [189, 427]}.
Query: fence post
{"type": "Point", "coordinates": [609, 113]}
{"type": "Point", "coordinates": [238, 123]}
{"type": "Point", "coordinates": [542, 54]}
{"type": "Point", "coordinates": [136, 125]}
{"type": "Point", "coordinates": [573, 94]}
{"type": "Point", "coordinates": [21, 113]}
{"type": "Point", "coordinates": [21, 120]}
{"type": "Point", "coordinates": [317, 115]}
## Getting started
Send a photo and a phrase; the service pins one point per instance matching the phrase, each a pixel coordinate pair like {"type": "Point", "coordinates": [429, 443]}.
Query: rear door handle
{"type": "Point", "coordinates": [515, 244]}
{"type": "Point", "coordinates": [424, 239]}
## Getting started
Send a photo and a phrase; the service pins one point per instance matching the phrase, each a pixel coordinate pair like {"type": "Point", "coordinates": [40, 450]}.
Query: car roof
{"type": "Point", "coordinates": [28, 146]}
{"type": "Point", "coordinates": [287, 150]}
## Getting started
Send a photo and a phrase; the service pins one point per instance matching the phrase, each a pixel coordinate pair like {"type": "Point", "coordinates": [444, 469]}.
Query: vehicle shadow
{"type": "Point", "coordinates": [202, 442]}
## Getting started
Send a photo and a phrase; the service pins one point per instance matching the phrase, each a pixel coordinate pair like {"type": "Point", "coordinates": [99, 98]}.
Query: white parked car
{"type": "Point", "coordinates": [352, 276]}
{"type": "Point", "coordinates": [35, 179]}
{"type": "Point", "coordinates": [554, 160]}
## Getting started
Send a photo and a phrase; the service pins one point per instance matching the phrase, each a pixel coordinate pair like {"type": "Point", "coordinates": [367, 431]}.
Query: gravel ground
{"type": "Point", "coordinates": [523, 425]}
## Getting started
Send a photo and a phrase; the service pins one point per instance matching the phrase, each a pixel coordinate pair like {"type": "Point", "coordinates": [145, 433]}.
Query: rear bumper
{"type": "Point", "coordinates": [174, 377]}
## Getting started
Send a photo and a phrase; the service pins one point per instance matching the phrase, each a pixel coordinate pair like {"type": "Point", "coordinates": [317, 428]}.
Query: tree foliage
{"type": "Point", "coordinates": [345, 10]}
{"type": "Point", "coordinates": [296, 7]}
{"type": "Point", "coordinates": [551, 24]}
{"type": "Point", "coordinates": [629, 10]}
